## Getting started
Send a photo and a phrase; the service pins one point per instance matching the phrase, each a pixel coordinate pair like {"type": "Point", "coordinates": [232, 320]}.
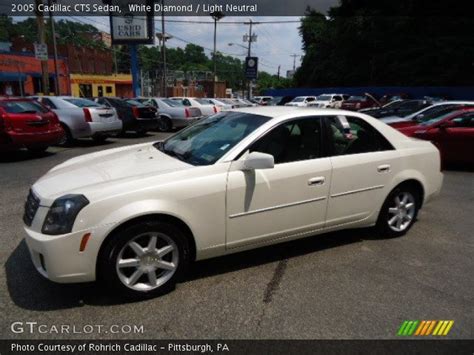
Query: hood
{"type": "Point", "coordinates": [91, 171]}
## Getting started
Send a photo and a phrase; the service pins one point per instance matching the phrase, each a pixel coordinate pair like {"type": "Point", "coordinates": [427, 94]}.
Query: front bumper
{"type": "Point", "coordinates": [59, 259]}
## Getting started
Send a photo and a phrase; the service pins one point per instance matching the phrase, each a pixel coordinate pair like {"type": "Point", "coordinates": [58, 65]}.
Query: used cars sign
{"type": "Point", "coordinates": [132, 27]}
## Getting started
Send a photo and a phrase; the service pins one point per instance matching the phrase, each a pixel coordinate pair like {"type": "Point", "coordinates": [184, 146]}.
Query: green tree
{"type": "Point", "coordinates": [371, 42]}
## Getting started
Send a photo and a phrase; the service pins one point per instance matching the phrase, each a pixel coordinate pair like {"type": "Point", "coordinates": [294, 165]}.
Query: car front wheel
{"type": "Point", "coordinates": [145, 260]}
{"type": "Point", "coordinates": [399, 211]}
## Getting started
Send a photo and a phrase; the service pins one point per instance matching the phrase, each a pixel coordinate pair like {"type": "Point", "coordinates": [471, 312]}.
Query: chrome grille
{"type": "Point", "coordinates": [31, 206]}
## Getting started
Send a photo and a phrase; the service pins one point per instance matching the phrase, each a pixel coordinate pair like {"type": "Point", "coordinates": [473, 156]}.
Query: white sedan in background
{"type": "Point", "coordinates": [206, 108]}
{"type": "Point", "coordinates": [135, 217]}
{"type": "Point", "coordinates": [301, 101]}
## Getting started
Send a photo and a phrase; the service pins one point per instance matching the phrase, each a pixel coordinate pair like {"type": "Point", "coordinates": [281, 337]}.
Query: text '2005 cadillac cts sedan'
{"type": "Point", "coordinates": [135, 217]}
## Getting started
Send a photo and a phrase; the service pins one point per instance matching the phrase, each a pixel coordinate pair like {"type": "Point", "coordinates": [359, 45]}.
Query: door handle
{"type": "Point", "coordinates": [385, 168]}
{"type": "Point", "coordinates": [316, 181]}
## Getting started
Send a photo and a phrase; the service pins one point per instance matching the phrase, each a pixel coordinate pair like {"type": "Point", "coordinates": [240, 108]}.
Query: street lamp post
{"type": "Point", "coordinates": [216, 15]}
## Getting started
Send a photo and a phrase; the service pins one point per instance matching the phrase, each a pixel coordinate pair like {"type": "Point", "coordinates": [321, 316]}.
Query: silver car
{"type": "Point", "coordinates": [82, 118]}
{"type": "Point", "coordinates": [173, 114]}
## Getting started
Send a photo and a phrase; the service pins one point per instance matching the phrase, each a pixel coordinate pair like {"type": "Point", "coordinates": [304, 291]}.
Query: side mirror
{"type": "Point", "coordinates": [257, 160]}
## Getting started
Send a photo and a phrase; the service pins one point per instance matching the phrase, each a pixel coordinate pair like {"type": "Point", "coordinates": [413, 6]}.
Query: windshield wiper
{"type": "Point", "coordinates": [160, 146]}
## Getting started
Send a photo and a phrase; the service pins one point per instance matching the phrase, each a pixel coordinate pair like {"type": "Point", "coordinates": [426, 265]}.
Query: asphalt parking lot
{"type": "Point", "coordinates": [348, 284]}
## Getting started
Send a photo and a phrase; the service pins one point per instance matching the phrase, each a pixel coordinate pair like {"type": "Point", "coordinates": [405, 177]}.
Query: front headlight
{"type": "Point", "coordinates": [62, 214]}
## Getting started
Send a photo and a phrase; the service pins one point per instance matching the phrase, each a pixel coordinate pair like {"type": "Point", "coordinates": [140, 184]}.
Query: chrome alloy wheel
{"type": "Point", "coordinates": [147, 261]}
{"type": "Point", "coordinates": [401, 212]}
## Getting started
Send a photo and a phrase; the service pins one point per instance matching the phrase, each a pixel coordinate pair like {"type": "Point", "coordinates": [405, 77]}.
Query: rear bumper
{"type": "Point", "coordinates": [15, 140]}
{"type": "Point", "coordinates": [105, 128]}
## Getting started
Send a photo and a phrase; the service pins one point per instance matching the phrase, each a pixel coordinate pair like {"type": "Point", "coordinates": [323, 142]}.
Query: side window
{"type": "Point", "coordinates": [292, 141]}
{"type": "Point", "coordinates": [309, 99]}
{"type": "Point", "coordinates": [466, 120]}
{"type": "Point", "coordinates": [48, 103]}
{"type": "Point", "coordinates": [186, 102]}
{"type": "Point", "coordinates": [337, 98]}
{"type": "Point", "coordinates": [352, 135]}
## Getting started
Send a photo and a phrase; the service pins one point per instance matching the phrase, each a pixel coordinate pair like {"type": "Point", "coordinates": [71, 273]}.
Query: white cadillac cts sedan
{"type": "Point", "coordinates": [135, 217]}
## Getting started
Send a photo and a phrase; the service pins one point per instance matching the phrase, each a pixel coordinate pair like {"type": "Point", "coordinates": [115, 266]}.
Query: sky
{"type": "Point", "coordinates": [275, 42]}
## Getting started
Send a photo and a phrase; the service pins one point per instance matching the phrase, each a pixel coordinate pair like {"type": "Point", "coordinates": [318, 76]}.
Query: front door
{"type": "Point", "coordinates": [286, 201]}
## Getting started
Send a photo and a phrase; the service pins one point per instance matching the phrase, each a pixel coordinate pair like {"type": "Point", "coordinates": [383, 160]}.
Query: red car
{"type": "Point", "coordinates": [355, 103]}
{"type": "Point", "coordinates": [25, 123]}
{"type": "Point", "coordinates": [452, 133]}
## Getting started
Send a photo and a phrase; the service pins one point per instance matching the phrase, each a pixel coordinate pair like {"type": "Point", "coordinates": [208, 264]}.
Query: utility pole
{"type": "Point", "coordinates": [42, 40]}
{"type": "Point", "coordinates": [294, 60]}
{"type": "Point", "coordinates": [216, 15]}
{"type": "Point", "coordinates": [278, 73]}
{"type": "Point", "coordinates": [55, 50]}
{"type": "Point", "coordinates": [163, 50]}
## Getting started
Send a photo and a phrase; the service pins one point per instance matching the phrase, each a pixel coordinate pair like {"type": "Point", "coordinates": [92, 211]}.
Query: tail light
{"type": "Point", "coordinates": [358, 105]}
{"type": "Point", "coordinates": [5, 124]}
{"type": "Point", "coordinates": [87, 114]}
{"type": "Point", "coordinates": [187, 113]}
{"type": "Point", "coordinates": [215, 109]}
{"type": "Point", "coordinates": [135, 112]}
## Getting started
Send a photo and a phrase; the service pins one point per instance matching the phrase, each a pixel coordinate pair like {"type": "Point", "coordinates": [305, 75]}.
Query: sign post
{"type": "Point", "coordinates": [132, 28]}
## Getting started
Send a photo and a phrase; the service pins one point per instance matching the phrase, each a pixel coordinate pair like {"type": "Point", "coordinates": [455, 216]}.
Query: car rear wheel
{"type": "Point", "coordinates": [99, 138]}
{"type": "Point", "coordinates": [145, 260]}
{"type": "Point", "coordinates": [68, 139]}
{"type": "Point", "coordinates": [164, 124]}
{"type": "Point", "coordinates": [399, 212]}
{"type": "Point", "coordinates": [37, 149]}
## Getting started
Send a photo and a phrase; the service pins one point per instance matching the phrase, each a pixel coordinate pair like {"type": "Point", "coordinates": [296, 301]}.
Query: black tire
{"type": "Point", "coordinates": [387, 221]}
{"type": "Point", "coordinates": [164, 124]}
{"type": "Point", "coordinates": [37, 150]}
{"type": "Point", "coordinates": [141, 132]}
{"type": "Point", "coordinates": [68, 138]}
{"type": "Point", "coordinates": [118, 245]}
{"type": "Point", "coordinates": [99, 138]}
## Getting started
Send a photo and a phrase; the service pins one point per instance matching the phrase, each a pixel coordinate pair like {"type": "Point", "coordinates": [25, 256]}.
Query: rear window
{"type": "Point", "coordinates": [173, 103]}
{"type": "Point", "coordinates": [135, 103]}
{"type": "Point", "coordinates": [204, 101]}
{"type": "Point", "coordinates": [22, 107]}
{"type": "Point", "coordinates": [82, 102]}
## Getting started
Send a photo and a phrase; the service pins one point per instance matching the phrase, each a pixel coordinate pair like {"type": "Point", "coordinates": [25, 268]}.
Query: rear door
{"type": "Point", "coordinates": [363, 163]}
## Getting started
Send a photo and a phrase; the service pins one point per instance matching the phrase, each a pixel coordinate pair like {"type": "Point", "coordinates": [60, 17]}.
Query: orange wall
{"type": "Point", "coordinates": [28, 65]}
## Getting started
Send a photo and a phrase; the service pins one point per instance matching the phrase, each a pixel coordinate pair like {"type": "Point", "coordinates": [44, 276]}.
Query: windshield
{"type": "Point", "coordinates": [82, 102]}
{"type": "Point", "coordinates": [298, 99]}
{"type": "Point", "coordinates": [324, 98]}
{"type": "Point", "coordinates": [207, 141]}
{"type": "Point", "coordinates": [357, 98]}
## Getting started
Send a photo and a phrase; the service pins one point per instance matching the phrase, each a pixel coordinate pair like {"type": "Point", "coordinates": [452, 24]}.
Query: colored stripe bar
{"type": "Point", "coordinates": [431, 327]}
{"type": "Point", "coordinates": [420, 327]}
{"type": "Point", "coordinates": [402, 328]}
{"type": "Point", "coordinates": [413, 327]}
{"type": "Point", "coordinates": [448, 327]}
{"type": "Point", "coordinates": [438, 326]}
{"type": "Point", "coordinates": [425, 328]}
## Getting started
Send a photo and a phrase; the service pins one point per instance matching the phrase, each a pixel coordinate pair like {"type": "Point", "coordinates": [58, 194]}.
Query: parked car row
{"type": "Point", "coordinates": [449, 125]}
